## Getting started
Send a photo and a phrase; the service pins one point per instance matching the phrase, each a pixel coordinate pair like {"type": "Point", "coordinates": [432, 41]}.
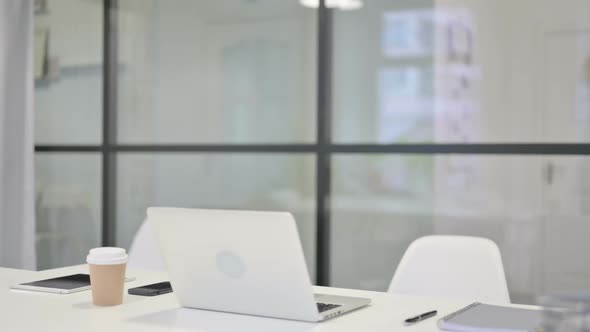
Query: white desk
{"type": "Point", "coordinates": [29, 311]}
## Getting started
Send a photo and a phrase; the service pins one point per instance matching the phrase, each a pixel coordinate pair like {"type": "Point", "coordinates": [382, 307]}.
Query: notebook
{"type": "Point", "coordinates": [478, 317]}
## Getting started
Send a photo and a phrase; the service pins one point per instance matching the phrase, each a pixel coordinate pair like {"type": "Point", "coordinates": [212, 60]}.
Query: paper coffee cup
{"type": "Point", "coordinates": [107, 275]}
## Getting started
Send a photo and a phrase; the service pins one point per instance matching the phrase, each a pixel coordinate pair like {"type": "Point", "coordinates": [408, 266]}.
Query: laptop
{"type": "Point", "coordinates": [246, 262]}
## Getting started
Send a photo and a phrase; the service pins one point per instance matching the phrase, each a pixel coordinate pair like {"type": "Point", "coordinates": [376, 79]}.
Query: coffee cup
{"type": "Point", "coordinates": [107, 275]}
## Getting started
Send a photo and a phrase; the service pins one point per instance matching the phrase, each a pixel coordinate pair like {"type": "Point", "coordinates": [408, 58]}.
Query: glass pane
{"type": "Point", "coordinates": [459, 71]}
{"type": "Point", "coordinates": [68, 72]}
{"type": "Point", "coordinates": [534, 207]}
{"type": "Point", "coordinates": [68, 207]}
{"type": "Point", "coordinates": [227, 71]}
{"type": "Point", "coordinates": [379, 204]}
{"type": "Point", "coordinates": [277, 182]}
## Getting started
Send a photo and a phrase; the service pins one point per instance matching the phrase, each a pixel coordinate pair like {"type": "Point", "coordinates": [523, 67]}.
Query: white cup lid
{"type": "Point", "coordinates": [106, 256]}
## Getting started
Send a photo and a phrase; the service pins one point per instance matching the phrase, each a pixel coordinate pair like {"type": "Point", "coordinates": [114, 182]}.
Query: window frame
{"type": "Point", "coordinates": [323, 148]}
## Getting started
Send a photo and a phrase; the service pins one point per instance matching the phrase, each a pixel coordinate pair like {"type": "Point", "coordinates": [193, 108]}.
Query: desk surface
{"type": "Point", "coordinates": [30, 311]}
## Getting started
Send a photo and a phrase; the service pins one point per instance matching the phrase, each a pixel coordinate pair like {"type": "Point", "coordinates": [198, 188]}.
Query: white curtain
{"type": "Point", "coordinates": [17, 215]}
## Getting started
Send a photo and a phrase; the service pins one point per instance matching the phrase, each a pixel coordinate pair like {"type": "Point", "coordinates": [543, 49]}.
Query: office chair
{"type": "Point", "coordinates": [144, 252]}
{"type": "Point", "coordinates": [461, 267]}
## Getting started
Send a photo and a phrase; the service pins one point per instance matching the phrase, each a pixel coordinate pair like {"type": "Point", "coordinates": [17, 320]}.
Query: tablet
{"type": "Point", "coordinates": [60, 285]}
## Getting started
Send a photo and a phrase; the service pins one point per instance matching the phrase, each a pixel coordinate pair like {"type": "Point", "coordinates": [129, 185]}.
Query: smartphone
{"type": "Point", "coordinates": [60, 285]}
{"type": "Point", "coordinates": [152, 290]}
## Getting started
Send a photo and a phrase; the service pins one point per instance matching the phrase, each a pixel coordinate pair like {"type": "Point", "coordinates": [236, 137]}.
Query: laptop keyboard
{"type": "Point", "coordinates": [326, 306]}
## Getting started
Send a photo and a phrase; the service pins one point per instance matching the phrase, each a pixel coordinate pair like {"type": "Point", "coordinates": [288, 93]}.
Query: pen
{"type": "Point", "coordinates": [420, 317]}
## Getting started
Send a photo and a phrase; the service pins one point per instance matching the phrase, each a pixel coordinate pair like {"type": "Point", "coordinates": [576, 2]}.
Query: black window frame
{"type": "Point", "coordinates": [323, 148]}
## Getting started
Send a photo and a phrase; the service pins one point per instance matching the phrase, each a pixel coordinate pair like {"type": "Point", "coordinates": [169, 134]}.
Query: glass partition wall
{"type": "Point", "coordinates": [373, 122]}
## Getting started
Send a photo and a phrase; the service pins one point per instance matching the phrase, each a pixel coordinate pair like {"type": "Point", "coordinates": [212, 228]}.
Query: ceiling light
{"type": "Point", "coordinates": [338, 4]}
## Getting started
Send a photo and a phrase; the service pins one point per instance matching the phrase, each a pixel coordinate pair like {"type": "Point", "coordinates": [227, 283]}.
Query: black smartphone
{"type": "Point", "coordinates": [152, 290]}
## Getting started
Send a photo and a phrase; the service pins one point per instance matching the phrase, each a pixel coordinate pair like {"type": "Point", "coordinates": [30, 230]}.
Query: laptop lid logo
{"type": "Point", "coordinates": [230, 264]}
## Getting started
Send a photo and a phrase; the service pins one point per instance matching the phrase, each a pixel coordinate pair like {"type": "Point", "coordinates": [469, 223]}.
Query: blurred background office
{"type": "Point", "coordinates": [373, 121]}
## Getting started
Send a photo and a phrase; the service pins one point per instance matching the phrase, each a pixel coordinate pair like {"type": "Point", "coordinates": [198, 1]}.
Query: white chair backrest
{"type": "Point", "coordinates": [461, 267]}
{"type": "Point", "coordinates": [145, 252]}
